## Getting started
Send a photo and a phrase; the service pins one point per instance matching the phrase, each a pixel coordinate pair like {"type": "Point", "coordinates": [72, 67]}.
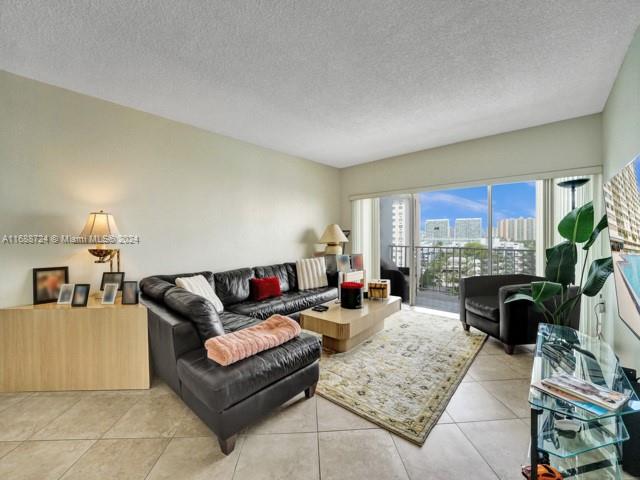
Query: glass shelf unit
{"type": "Point", "coordinates": [592, 435]}
{"type": "Point", "coordinates": [581, 467]}
{"type": "Point", "coordinates": [564, 350]}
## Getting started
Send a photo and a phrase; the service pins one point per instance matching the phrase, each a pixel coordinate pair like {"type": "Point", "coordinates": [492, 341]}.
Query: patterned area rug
{"type": "Point", "coordinates": [402, 378]}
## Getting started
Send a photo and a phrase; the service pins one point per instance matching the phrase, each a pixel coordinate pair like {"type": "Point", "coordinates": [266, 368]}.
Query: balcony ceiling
{"type": "Point", "coordinates": [341, 82]}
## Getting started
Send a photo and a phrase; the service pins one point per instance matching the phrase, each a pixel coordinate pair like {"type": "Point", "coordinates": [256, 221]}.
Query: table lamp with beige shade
{"type": "Point", "coordinates": [334, 237]}
{"type": "Point", "coordinates": [99, 225]}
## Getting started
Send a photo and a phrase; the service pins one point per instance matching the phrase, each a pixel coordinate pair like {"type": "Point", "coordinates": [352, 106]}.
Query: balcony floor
{"type": "Point", "coordinates": [438, 301]}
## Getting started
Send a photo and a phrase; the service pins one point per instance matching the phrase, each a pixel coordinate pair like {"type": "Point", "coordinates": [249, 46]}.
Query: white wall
{"type": "Point", "coordinates": [196, 199]}
{"type": "Point", "coordinates": [621, 141]}
{"type": "Point", "coordinates": [555, 147]}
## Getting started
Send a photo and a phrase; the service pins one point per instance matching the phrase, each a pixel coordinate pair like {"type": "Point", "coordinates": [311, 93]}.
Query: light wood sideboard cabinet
{"type": "Point", "coordinates": [52, 347]}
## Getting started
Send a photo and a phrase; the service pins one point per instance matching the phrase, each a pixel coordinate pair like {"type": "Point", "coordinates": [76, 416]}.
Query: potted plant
{"type": "Point", "coordinates": [553, 297]}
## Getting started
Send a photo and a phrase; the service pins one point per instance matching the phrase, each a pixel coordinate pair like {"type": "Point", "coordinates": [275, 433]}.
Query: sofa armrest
{"type": "Point", "coordinates": [506, 291]}
{"type": "Point", "coordinates": [518, 320]}
{"type": "Point", "coordinates": [170, 337]}
{"type": "Point", "coordinates": [484, 285]}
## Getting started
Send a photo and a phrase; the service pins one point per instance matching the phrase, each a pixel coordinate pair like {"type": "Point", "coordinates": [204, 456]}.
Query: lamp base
{"type": "Point", "coordinates": [105, 255]}
{"type": "Point", "coordinates": [333, 249]}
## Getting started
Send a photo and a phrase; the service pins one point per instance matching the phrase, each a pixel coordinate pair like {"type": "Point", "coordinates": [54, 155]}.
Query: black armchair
{"type": "Point", "coordinates": [399, 278]}
{"type": "Point", "coordinates": [482, 306]}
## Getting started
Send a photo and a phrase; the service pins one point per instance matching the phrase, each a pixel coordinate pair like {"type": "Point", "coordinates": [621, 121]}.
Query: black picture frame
{"type": "Point", "coordinates": [112, 277]}
{"type": "Point", "coordinates": [130, 293]}
{"type": "Point", "coordinates": [47, 295]}
{"type": "Point", "coordinates": [80, 295]}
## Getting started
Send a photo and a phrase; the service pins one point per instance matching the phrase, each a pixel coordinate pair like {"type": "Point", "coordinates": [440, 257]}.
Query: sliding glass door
{"type": "Point", "coordinates": [397, 242]}
{"type": "Point", "coordinates": [437, 237]}
{"type": "Point", "coordinates": [453, 244]}
{"type": "Point", "coordinates": [513, 211]}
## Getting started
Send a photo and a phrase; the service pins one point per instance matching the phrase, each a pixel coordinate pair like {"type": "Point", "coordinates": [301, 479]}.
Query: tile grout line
{"type": "Point", "coordinates": [506, 380]}
{"type": "Point", "coordinates": [322, 431]}
{"type": "Point", "coordinates": [158, 459]}
{"type": "Point", "coordinates": [170, 439]}
{"type": "Point", "coordinates": [485, 421]}
{"type": "Point", "coordinates": [318, 440]}
{"type": "Point", "coordinates": [103, 439]}
{"type": "Point", "coordinates": [498, 400]}
{"type": "Point", "coordinates": [406, 470]}
{"type": "Point", "coordinates": [478, 452]}
{"type": "Point", "coordinates": [29, 395]}
{"type": "Point", "coordinates": [120, 418]}
{"type": "Point", "coordinates": [19, 442]}
{"type": "Point", "coordinates": [235, 466]}
{"type": "Point", "coordinates": [77, 459]}
{"type": "Point", "coordinates": [54, 419]}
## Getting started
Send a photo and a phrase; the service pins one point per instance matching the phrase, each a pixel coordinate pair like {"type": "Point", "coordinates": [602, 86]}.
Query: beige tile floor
{"type": "Point", "coordinates": [153, 435]}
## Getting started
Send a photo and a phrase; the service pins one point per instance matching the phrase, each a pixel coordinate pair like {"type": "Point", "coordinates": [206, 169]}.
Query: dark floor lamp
{"type": "Point", "coordinates": [573, 185]}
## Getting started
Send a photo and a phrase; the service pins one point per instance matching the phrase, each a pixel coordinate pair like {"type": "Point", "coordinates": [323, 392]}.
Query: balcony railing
{"type": "Point", "coordinates": [442, 267]}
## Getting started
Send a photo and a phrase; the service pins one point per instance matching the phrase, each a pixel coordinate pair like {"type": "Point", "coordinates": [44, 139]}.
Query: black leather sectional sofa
{"type": "Point", "coordinates": [228, 399]}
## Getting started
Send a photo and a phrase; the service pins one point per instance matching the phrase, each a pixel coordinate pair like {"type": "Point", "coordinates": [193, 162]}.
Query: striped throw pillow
{"type": "Point", "coordinates": [312, 273]}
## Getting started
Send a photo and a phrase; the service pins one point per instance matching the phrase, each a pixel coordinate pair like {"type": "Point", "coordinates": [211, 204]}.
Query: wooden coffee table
{"type": "Point", "coordinates": [342, 328]}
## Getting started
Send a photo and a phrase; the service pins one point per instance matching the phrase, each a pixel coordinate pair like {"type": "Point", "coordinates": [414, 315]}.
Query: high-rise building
{"type": "Point", "coordinates": [622, 199]}
{"type": "Point", "coordinates": [468, 229]}
{"type": "Point", "coordinates": [437, 229]}
{"type": "Point", "coordinates": [517, 229]}
{"type": "Point", "coordinates": [400, 230]}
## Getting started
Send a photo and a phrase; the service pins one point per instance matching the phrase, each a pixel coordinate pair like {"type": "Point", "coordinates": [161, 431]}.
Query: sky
{"type": "Point", "coordinates": [511, 200]}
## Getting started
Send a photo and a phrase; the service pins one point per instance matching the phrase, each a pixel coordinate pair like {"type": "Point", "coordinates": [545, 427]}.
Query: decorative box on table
{"type": "Point", "coordinates": [379, 289]}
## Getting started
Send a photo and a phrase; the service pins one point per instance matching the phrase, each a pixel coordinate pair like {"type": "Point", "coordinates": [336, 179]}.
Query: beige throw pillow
{"type": "Point", "coordinates": [199, 285]}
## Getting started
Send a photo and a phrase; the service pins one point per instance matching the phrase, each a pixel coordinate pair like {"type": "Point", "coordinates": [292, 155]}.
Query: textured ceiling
{"type": "Point", "coordinates": [337, 81]}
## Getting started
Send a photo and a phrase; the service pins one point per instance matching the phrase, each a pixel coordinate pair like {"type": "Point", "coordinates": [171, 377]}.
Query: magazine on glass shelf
{"type": "Point", "coordinates": [590, 407]}
{"type": "Point", "coordinates": [587, 391]}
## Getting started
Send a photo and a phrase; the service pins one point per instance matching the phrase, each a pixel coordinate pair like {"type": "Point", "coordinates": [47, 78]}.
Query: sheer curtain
{"type": "Point", "coordinates": [365, 234]}
{"type": "Point", "coordinates": [545, 221]}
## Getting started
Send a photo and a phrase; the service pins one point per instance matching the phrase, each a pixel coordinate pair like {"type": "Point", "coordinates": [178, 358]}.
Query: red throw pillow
{"type": "Point", "coordinates": [263, 288]}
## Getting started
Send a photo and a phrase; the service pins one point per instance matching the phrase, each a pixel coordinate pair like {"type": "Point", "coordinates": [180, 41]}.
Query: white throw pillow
{"type": "Point", "coordinates": [199, 285]}
{"type": "Point", "coordinates": [312, 273]}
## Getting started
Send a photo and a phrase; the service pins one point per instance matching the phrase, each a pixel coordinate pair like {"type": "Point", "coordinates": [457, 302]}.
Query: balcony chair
{"type": "Point", "coordinates": [482, 306]}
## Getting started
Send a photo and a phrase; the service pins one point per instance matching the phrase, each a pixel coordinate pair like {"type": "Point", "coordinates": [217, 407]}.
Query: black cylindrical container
{"type": "Point", "coordinates": [351, 295]}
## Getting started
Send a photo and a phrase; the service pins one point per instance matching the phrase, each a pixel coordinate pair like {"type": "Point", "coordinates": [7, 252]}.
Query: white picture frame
{"type": "Point", "coordinates": [65, 295]}
{"type": "Point", "coordinates": [109, 294]}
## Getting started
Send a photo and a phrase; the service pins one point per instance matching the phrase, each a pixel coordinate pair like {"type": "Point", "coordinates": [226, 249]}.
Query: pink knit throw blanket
{"type": "Point", "coordinates": [232, 347]}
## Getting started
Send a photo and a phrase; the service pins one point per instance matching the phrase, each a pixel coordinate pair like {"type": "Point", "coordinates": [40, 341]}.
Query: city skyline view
{"type": "Point", "coordinates": [512, 200]}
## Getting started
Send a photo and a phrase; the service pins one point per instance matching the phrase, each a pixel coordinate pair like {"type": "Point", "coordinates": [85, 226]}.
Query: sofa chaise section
{"type": "Point", "coordinates": [228, 399]}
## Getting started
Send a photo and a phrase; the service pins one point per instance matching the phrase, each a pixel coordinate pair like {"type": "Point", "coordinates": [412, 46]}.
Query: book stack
{"type": "Point", "coordinates": [591, 397]}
